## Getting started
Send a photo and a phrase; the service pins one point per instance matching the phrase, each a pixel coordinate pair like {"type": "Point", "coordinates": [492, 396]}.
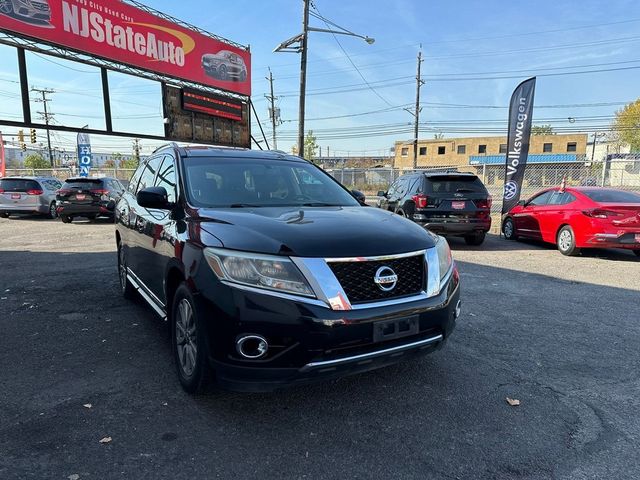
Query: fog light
{"type": "Point", "coordinates": [458, 309]}
{"type": "Point", "coordinates": [252, 346]}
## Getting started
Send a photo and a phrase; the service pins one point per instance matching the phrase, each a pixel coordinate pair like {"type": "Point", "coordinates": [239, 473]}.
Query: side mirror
{"type": "Point", "coordinates": [359, 196]}
{"type": "Point", "coordinates": [522, 203]}
{"type": "Point", "coordinates": [153, 197]}
{"type": "Point", "coordinates": [382, 193]}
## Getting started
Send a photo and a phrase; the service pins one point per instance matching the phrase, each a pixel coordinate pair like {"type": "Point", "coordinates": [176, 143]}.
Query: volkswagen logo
{"type": "Point", "coordinates": [386, 279]}
{"type": "Point", "coordinates": [510, 190]}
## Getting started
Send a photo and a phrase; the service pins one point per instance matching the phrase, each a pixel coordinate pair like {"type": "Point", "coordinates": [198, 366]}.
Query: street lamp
{"type": "Point", "coordinates": [298, 44]}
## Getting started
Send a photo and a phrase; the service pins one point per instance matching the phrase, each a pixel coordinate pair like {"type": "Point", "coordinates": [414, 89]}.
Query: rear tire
{"type": "Point", "coordinates": [637, 252]}
{"type": "Point", "coordinates": [66, 219]}
{"type": "Point", "coordinates": [566, 241]}
{"type": "Point", "coordinates": [52, 211]}
{"type": "Point", "coordinates": [189, 342]}
{"type": "Point", "coordinates": [509, 229]}
{"type": "Point", "coordinates": [401, 213]}
{"type": "Point", "coordinates": [476, 239]}
{"type": "Point", "coordinates": [128, 291]}
{"type": "Point", "coordinates": [4, 215]}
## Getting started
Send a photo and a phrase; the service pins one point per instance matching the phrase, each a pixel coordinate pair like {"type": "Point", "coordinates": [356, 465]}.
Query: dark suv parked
{"type": "Point", "coordinates": [447, 203]}
{"type": "Point", "coordinates": [87, 197]}
{"type": "Point", "coordinates": [271, 273]}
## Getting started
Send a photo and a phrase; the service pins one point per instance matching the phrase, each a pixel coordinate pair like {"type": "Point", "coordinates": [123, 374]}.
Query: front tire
{"type": "Point", "coordinates": [509, 229]}
{"type": "Point", "coordinates": [189, 343]}
{"type": "Point", "coordinates": [128, 291]}
{"type": "Point", "coordinates": [222, 72]}
{"type": "Point", "coordinates": [4, 215]}
{"type": "Point", "coordinates": [66, 219]}
{"type": "Point", "coordinates": [476, 239]}
{"type": "Point", "coordinates": [637, 252]}
{"type": "Point", "coordinates": [566, 241]}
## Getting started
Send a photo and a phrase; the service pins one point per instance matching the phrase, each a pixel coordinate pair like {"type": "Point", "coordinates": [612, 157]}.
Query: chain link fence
{"type": "Point", "coordinates": [64, 173]}
{"type": "Point", "coordinates": [617, 171]}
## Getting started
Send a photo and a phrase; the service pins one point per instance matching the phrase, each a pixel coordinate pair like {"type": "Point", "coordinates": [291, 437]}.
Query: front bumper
{"type": "Point", "coordinates": [310, 343]}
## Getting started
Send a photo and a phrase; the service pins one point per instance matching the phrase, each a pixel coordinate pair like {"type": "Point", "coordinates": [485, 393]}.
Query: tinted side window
{"type": "Point", "coordinates": [167, 178]}
{"type": "Point", "coordinates": [414, 186]}
{"type": "Point", "coordinates": [149, 173]}
{"type": "Point", "coordinates": [133, 183]}
{"type": "Point", "coordinates": [393, 188]}
{"type": "Point", "coordinates": [541, 199]}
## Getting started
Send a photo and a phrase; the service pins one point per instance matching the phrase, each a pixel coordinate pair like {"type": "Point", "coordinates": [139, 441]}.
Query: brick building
{"type": "Point", "coordinates": [478, 150]}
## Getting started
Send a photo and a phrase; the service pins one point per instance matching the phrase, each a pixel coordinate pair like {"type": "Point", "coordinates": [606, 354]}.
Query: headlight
{"type": "Point", "coordinates": [268, 272]}
{"type": "Point", "coordinates": [439, 263]}
{"type": "Point", "coordinates": [444, 256]}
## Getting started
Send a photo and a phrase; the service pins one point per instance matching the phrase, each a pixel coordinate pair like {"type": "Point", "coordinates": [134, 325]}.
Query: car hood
{"type": "Point", "coordinates": [314, 232]}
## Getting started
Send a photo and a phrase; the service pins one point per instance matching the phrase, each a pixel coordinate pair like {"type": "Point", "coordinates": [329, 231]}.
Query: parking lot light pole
{"type": "Point", "coordinates": [298, 44]}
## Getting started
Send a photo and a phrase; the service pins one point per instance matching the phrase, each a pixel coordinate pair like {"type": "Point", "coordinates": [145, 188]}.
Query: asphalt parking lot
{"type": "Point", "coordinates": [561, 335]}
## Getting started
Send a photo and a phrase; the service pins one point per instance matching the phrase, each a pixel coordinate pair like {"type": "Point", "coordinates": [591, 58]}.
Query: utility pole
{"type": "Point", "coordinates": [136, 149]}
{"type": "Point", "coordinates": [419, 84]}
{"type": "Point", "coordinates": [303, 75]}
{"type": "Point", "coordinates": [273, 113]}
{"type": "Point", "coordinates": [46, 115]}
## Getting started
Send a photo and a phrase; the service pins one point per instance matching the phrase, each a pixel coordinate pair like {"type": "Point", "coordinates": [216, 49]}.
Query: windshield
{"type": "Point", "coordinates": [612, 196]}
{"type": "Point", "coordinates": [239, 182]}
{"type": "Point", "coordinates": [83, 183]}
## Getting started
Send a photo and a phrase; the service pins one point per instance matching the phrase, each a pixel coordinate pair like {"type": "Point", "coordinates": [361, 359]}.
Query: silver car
{"type": "Point", "coordinates": [32, 195]}
{"type": "Point", "coordinates": [225, 65]}
{"type": "Point", "coordinates": [27, 10]}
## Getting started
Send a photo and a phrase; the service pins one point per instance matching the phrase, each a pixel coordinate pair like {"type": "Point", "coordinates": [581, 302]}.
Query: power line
{"type": "Point", "coordinates": [328, 23]}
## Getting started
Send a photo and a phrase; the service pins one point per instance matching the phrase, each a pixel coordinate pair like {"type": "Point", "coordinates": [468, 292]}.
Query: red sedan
{"type": "Point", "coordinates": [578, 217]}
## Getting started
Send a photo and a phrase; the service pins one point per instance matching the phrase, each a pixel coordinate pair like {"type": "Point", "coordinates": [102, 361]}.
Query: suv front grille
{"type": "Point", "coordinates": [357, 282]}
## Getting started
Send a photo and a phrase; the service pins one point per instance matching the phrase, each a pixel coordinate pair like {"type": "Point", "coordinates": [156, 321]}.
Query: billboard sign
{"type": "Point", "coordinates": [119, 32]}
{"type": "Point", "coordinates": [84, 154]}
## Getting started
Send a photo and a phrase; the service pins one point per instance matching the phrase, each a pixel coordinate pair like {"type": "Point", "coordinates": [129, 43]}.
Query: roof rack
{"type": "Point", "coordinates": [170, 144]}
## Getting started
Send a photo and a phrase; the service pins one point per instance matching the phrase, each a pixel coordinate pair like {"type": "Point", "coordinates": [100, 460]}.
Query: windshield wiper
{"type": "Point", "coordinates": [320, 204]}
{"type": "Point", "coordinates": [244, 205]}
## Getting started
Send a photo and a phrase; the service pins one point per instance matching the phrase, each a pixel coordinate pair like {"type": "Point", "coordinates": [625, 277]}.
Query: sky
{"type": "Point", "coordinates": [475, 53]}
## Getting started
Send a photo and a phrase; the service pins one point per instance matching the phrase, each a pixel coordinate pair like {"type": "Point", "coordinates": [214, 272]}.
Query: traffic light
{"type": "Point", "coordinates": [34, 138]}
{"type": "Point", "coordinates": [21, 136]}
{"type": "Point", "coordinates": [23, 146]}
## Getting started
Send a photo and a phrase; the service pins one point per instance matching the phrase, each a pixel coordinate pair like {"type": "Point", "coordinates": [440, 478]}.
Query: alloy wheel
{"type": "Point", "coordinates": [186, 338]}
{"type": "Point", "coordinates": [6, 6]}
{"type": "Point", "coordinates": [52, 210]}
{"type": "Point", "coordinates": [565, 240]}
{"type": "Point", "coordinates": [508, 229]}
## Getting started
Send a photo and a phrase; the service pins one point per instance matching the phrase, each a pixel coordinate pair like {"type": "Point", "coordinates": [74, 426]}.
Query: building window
{"type": "Point", "coordinates": [572, 147]}
{"type": "Point", "coordinates": [547, 147]}
{"type": "Point", "coordinates": [482, 149]}
{"type": "Point", "coordinates": [442, 150]}
{"type": "Point", "coordinates": [404, 152]}
{"type": "Point", "coordinates": [462, 149]}
{"type": "Point", "coordinates": [423, 150]}
{"type": "Point", "coordinates": [503, 148]}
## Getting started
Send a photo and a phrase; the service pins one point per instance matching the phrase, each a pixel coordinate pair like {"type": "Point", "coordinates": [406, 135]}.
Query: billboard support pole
{"type": "Point", "coordinates": [106, 99]}
{"type": "Point", "coordinates": [260, 125]}
{"type": "Point", "coordinates": [303, 76]}
{"type": "Point", "coordinates": [24, 85]}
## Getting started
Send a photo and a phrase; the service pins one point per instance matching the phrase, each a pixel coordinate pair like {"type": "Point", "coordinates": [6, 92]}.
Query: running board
{"type": "Point", "coordinates": [142, 290]}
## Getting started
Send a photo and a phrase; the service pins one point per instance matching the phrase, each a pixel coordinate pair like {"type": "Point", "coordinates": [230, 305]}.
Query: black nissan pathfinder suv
{"type": "Point", "coordinates": [270, 272]}
{"type": "Point", "coordinates": [446, 202]}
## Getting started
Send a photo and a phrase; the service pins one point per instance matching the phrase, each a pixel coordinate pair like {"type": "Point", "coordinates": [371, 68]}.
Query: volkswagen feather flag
{"type": "Point", "coordinates": [520, 113]}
